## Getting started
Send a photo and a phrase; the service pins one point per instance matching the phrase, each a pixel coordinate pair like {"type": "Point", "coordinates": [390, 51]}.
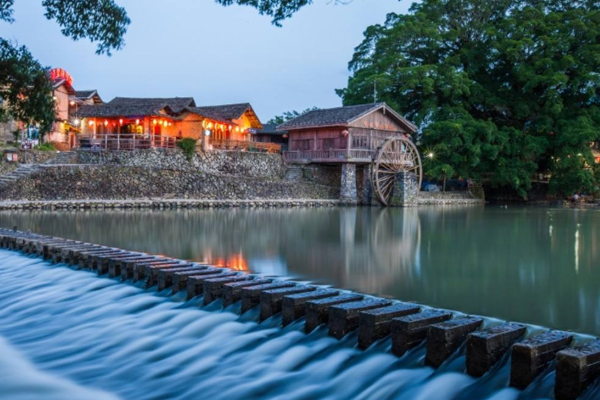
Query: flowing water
{"type": "Point", "coordinates": [72, 335]}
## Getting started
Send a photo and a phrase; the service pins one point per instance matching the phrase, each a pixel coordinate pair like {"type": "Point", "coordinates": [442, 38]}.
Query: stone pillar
{"type": "Point", "coordinates": [366, 195]}
{"type": "Point", "coordinates": [406, 189]}
{"type": "Point", "coordinates": [348, 190]}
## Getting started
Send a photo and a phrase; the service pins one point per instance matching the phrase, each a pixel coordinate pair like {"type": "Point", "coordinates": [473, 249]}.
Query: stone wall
{"type": "Point", "coordinates": [247, 164]}
{"type": "Point", "coordinates": [127, 182]}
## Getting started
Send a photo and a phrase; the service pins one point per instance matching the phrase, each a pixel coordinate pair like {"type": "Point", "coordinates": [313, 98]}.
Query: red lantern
{"type": "Point", "coordinates": [345, 133]}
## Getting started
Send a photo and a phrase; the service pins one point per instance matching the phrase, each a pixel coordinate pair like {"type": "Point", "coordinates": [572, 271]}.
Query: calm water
{"type": "Point", "coordinates": [533, 265]}
{"type": "Point", "coordinates": [70, 335]}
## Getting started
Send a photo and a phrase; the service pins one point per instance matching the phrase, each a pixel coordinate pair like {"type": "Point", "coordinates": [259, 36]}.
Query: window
{"type": "Point", "coordinates": [303, 145]}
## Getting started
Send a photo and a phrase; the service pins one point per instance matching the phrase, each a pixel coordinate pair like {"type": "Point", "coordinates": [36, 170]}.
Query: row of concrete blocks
{"type": "Point", "coordinates": [164, 204]}
{"type": "Point", "coordinates": [407, 324]}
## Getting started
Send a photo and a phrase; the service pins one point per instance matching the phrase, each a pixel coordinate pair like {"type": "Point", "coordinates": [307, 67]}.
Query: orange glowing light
{"type": "Point", "coordinates": [229, 127]}
{"type": "Point", "coordinates": [105, 122]}
{"type": "Point", "coordinates": [137, 121]}
{"type": "Point", "coordinates": [120, 122]}
{"type": "Point", "coordinates": [154, 122]}
{"type": "Point", "coordinates": [210, 125]}
{"type": "Point", "coordinates": [91, 123]}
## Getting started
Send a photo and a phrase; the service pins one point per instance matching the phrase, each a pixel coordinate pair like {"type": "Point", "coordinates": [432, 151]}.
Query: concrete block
{"type": "Point", "coordinates": [128, 267]}
{"type": "Point", "coordinates": [232, 292]}
{"type": "Point", "coordinates": [317, 311]}
{"type": "Point", "coordinates": [377, 324]}
{"type": "Point", "coordinates": [531, 356]}
{"type": "Point", "coordinates": [445, 338]}
{"type": "Point", "coordinates": [486, 348]}
{"type": "Point", "coordinates": [293, 306]}
{"type": "Point", "coordinates": [343, 318]}
{"type": "Point", "coordinates": [213, 288]}
{"type": "Point", "coordinates": [411, 330]}
{"type": "Point", "coordinates": [270, 300]}
{"type": "Point", "coordinates": [251, 295]}
{"type": "Point", "coordinates": [165, 275]}
{"type": "Point", "coordinates": [151, 276]}
{"type": "Point", "coordinates": [141, 271]}
{"type": "Point", "coordinates": [576, 369]}
{"type": "Point", "coordinates": [195, 283]}
{"type": "Point", "coordinates": [115, 265]}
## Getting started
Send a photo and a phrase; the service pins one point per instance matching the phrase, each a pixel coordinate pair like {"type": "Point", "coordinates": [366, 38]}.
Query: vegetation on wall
{"type": "Point", "coordinates": [188, 146]}
{"type": "Point", "coordinates": [503, 90]}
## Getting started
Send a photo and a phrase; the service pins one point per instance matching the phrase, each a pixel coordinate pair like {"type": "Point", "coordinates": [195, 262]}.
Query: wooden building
{"type": "Point", "coordinates": [270, 134]}
{"type": "Point", "coordinates": [124, 123]}
{"type": "Point", "coordinates": [350, 137]}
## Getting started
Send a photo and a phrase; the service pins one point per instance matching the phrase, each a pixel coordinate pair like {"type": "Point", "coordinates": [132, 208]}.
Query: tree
{"type": "Point", "coordinates": [279, 10]}
{"type": "Point", "coordinates": [501, 89]}
{"type": "Point", "coordinates": [288, 115]}
{"type": "Point", "coordinates": [25, 87]}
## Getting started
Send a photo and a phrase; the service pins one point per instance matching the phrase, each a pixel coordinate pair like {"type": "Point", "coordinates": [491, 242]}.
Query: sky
{"type": "Point", "coordinates": [216, 54]}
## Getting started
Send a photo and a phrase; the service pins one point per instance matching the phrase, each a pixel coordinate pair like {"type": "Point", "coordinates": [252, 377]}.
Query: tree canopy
{"type": "Point", "coordinates": [289, 115]}
{"type": "Point", "coordinates": [502, 90]}
{"type": "Point", "coordinates": [25, 87]}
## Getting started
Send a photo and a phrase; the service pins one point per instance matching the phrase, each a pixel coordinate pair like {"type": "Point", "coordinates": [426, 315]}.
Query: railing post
{"type": "Point", "coordinates": [105, 142]}
{"type": "Point", "coordinates": [118, 142]}
{"type": "Point", "coordinates": [133, 141]}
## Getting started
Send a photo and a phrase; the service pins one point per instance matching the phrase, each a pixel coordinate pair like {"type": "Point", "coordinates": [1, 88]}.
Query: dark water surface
{"type": "Point", "coordinates": [70, 335]}
{"type": "Point", "coordinates": [533, 265]}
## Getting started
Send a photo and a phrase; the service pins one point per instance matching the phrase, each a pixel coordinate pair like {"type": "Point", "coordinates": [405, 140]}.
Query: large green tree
{"type": "Point", "coordinates": [25, 87]}
{"type": "Point", "coordinates": [501, 89]}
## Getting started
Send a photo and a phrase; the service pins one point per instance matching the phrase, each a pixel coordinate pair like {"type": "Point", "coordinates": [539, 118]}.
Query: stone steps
{"type": "Point", "coordinates": [408, 326]}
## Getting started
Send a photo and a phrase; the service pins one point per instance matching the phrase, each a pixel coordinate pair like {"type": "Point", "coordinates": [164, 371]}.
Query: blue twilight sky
{"type": "Point", "coordinates": [216, 54]}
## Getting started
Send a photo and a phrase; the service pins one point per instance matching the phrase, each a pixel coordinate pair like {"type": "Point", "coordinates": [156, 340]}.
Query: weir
{"type": "Point", "coordinates": [577, 366]}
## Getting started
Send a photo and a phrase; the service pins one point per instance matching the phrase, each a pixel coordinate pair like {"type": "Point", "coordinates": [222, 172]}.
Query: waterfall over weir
{"type": "Point", "coordinates": [71, 334]}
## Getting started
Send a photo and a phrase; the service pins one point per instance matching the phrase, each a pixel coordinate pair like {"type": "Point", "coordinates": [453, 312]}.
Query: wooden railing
{"type": "Point", "coordinates": [242, 145]}
{"type": "Point", "coordinates": [127, 141]}
{"type": "Point", "coordinates": [332, 155]}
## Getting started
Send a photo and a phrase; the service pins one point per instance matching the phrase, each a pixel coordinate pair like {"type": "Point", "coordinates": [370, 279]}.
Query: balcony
{"type": "Point", "coordinates": [243, 145]}
{"type": "Point", "coordinates": [126, 141]}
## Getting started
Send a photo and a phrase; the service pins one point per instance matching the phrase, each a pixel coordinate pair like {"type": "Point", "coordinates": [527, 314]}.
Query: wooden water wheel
{"type": "Point", "coordinates": [397, 154]}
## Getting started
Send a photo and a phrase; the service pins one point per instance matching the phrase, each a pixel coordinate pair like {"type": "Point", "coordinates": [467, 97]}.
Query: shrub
{"type": "Point", "coordinates": [45, 147]}
{"type": "Point", "coordinates": [188, 146]}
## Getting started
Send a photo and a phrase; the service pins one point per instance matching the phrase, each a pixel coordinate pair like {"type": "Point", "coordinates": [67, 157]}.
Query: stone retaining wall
{"type": "Point", "coordinates": [117, 182]}
{"type": "Point", "coordinates": [248, 164]}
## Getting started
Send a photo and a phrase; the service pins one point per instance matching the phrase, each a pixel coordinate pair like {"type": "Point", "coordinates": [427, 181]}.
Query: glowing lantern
{"type": "Point", "coordinates": [154, 122]}
{"type": "Point", "coordinates": [76, 122]}
{"type": "Point", "coordinates": [120, 122]}
{"type": "Point", "coordinates": [229, 127]}
{"type": "Point", "coordinates": [105, 122]}
{"type": "Point", "coordinates": [210, 125]}
{"type": "Point", "coordinates": [170, 124]}
{"type": "Point", "coordinates": [72, 103]}
{"type": "Point", "coordinates": [137, 121]}
{"type": "Point", "coordinates": [91, 123]}
{"type": "Point", "coordinates": [237, 128]}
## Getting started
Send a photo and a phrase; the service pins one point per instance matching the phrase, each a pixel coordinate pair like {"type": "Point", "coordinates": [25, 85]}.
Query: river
{"type": "Point", "coordinates": [524, 264]}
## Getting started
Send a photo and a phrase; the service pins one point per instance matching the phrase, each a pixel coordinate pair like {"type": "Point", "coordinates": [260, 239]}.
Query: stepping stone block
{"type": "Point", "coordinates": [410, 331]}
{"type": "Point", "coordinates": [531, 356]}
{"type": "Point", "coordinates": [143, 270]}
{"type": "Point", "coordinates": [445, 338]}
{"type": "Point", "coordinates": [343, 318]}
{"type": "Point", "coordinates": [293, 306]}
{"type": "Point", "coordinates": [115, 265]}
{"type": "Point", "coordinates": [151, 275]}
{"type": "Point", "coordinates": [270, 300]}
{"type": "Point", "coordinates": [486, 348]}
{"type": "Point", "coordinates": [377, 324]}
{"type": "Point", "coordinates": [100, 261]}
{"type": "Point", "coordinates": [165, 275]}
{"type": "Point", "coordinates": [317, 311]}
{"type": "Point", "coordinates": [180, 279]}
{"type": "Point", "coordinates": [251, 295]}
{"type": "Point", "coordinates": [128, 267]}
{"type": "Point", "coordinates": [213, 288]}
{"type": "Point", "coordinates": [85, 257]}
{"type": "Point", "coordinates": [232, 292]}
{"type": "Point", "coordinates": [576, 369]}
{"type": "Point", "coordinates": [194, 284]}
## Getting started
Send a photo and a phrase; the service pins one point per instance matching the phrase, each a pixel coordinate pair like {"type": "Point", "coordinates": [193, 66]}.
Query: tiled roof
{"type": "Point", "coordinates": [138, 107]}
{"type": "Point", "coordinates": [85, 94]}
{"type": "Point", "coordinates": [340, 116]}
{"type": "Point", "coordinates": [226, 112]}
{"type": "Point", "coordinates": [270, 129]}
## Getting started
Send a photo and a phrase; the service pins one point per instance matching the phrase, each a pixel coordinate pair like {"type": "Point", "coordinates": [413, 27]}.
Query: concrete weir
{"type": "Point", "coordinates": [406, 325]}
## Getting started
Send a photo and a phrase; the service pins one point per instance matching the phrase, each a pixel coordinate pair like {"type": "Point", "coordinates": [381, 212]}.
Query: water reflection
{"type": "Point", "coordinates": [534, 265]}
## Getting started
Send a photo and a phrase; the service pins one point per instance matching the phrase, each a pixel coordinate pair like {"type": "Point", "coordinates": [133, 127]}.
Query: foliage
{"type": "Point", "coordinates": [289, 115]}
{"type": "Point", "coordinates": [25, 88]}
{"type": "Point", "coordinates": [188, 146]}
{"type": "Point", "coordinates": [45, 147]}
{"type": "Point", "coordinates": [279, 10]}
{"type": "Point", "coordinates": [501, 89]}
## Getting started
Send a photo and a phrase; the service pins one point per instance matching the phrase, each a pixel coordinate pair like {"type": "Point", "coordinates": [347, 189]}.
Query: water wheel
{"type": "Point", "coordinates": [395, 155]}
